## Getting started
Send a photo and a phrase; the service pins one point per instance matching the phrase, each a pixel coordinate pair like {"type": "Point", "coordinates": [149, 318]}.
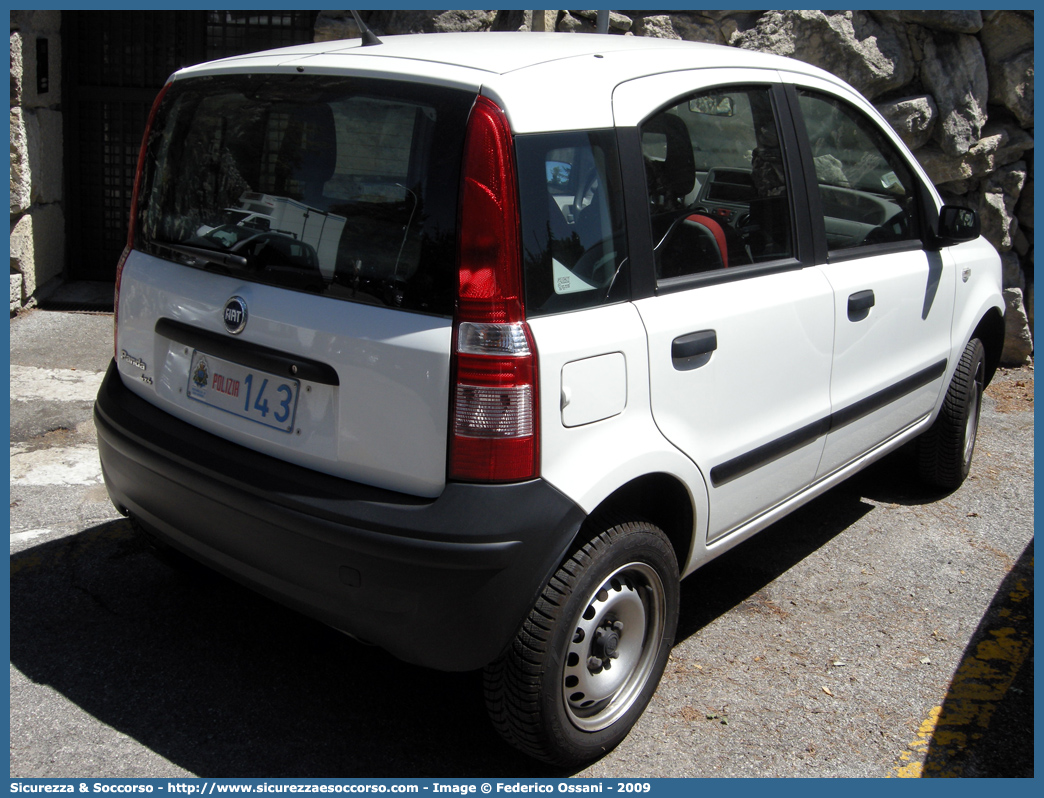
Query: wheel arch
{"type": "Point", "coordinates": [661, 499]}
{"type": "Point", "coordinates": [990, 330]}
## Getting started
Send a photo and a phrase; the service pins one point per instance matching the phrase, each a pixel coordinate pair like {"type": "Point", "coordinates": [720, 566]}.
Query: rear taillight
{"type": "Point", "coordinates": [495, 425]}
{"type": "Point", "coordinates": [133, 217]}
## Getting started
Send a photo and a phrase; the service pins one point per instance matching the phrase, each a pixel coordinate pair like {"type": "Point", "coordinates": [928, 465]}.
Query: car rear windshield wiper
{"type": "Point", "coordinates": [210, 255]}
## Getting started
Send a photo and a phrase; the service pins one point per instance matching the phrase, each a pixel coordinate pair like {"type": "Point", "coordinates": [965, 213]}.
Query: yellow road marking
{"type": "Point", "coordinates": [980, 683]}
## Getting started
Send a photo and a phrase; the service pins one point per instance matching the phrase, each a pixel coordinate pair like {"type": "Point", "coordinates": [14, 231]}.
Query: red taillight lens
{"type": "Point", "coordinates": [133, 216]}
{"type": "Point", "coordinates": [490, 278]}
{"type": "Point", "coordinates": [495, 424]}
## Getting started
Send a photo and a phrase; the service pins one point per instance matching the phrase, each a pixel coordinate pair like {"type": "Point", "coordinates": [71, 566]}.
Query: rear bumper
{"type": "Point", "coordinates": [440, 582]}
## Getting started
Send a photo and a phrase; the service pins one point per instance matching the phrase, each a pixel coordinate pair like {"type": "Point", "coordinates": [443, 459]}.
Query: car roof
{"type": "Point", "coordinates": [571, 75]}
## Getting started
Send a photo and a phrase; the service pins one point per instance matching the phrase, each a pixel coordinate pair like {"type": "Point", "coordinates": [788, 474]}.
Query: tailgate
{"type": "Point", "coordinates": [352, 390]}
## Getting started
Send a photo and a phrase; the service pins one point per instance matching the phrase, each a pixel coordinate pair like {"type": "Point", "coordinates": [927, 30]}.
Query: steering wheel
{"type": "Point", "coordinates": [895, 229]}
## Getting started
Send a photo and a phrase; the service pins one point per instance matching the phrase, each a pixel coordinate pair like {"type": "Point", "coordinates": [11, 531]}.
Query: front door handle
{"type": "Point", "coordinates": [859, 305]}
{"type": "Point", "coordinates": [693, 350]}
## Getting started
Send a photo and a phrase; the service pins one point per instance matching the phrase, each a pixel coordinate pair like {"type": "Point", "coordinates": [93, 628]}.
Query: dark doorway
{"type": "Point", "coordinates": [113, 64]}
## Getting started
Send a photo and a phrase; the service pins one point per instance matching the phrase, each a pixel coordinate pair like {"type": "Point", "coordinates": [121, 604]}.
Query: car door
{"type": "Point", "coordinates": [893, 297]}
{"type": "Point", "coordinates": [739, 323]}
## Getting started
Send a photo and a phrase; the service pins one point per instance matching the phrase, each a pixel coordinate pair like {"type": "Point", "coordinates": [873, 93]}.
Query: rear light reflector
{"type": "Point", "coordinates": [494, 412]}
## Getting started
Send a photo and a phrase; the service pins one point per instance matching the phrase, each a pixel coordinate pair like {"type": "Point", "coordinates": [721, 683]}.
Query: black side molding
{"type": "Point", "coordinates": [865, 407]}
{"type": "Point", "coordinates": [247, 354]}
{"type": "Point", "coordinates": [773, 450]}
{"type": "Point", "coordinates": [763, 455]}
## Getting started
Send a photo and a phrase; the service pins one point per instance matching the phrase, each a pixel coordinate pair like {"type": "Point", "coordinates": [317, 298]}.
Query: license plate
{"type": "Point", "coordinates": [245, 392]}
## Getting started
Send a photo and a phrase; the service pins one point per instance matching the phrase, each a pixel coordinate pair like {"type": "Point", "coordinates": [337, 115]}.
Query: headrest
{"type": "Point", "coordinates": [675, 175]}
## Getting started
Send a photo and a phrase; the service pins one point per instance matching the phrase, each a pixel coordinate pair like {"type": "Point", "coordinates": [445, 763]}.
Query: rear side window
{"type": "Point", "coordinates": [718, 193]}
{"type": "Point", "coordinates": [341, 187]}
{"type": "Point", "coordinates": [573, 237]}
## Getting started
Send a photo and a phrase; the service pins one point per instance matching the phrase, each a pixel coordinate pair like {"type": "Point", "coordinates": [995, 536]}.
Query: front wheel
{"type": "Point", "coordinates": [590, 654]}
{"type": "Point", "coordinates": [945, 450]}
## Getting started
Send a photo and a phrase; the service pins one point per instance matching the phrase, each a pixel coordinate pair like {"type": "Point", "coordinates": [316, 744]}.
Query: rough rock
{"type": "Point", "coordinates": [334, 25]}
{"type": "Point", "coordinates": [1024, 210]}
{"type": "Point", "coordinates": [1011, 267]}
{"type": "Point", "coordinates": [913, 118]}
{"type": "Point", "coordinates": [567, 23]}
{"type": "Point", "coordinates": [387, 22]}
{"type": "Point", "coordinates": [511, 20]}
{"type": "Point", "coordinates": [954, 72]}
{"type": "Point", "coordinates": [658, 26]}
{"type": "Point", "coordinates": [456, 21]}
{"type": "Point", "coordinates": [873, 56]}
{"type": "Point", "coordinates": [22, 256]}
{"type": "Point", "coordinates": [549, 17]}
{"type": "Point", "coordinates": [951, 21]}
{"type": "Point", "coordinates": [1000, 144]}
{"type": "Point", "coordinates": [16, 68]}
{"type": "Point", "coordinates": [48, 237]}
{"type": "Point", "coordinates": [1020, 242]}
{"type": "Point", "coordinates": [713, 27]}
{"type": "Point", "coordinates": [618, 23]}
{"type": "Point", "coordinates": [27, 26]}
{"type": "Point", "coordinates": [1007, 43]}
{"type": "Point", "coordinates": [21, 183]}
{"type": "Point", "coordinates": [997, 201]}
{"type": "Point", "coordinates": [1018, 339]}
{"type": "Point", "coordinates": [38, 246]}
{"type": "Point", "coordinates": [16, 292]}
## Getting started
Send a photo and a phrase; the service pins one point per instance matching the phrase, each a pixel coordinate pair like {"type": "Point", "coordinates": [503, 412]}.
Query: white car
{"type": "Point", "coordinates": [603, 307]}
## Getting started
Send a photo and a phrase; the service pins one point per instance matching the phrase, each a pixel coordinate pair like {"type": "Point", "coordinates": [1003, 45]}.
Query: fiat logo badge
{"type": "Point", "coordinates": [235, 315]}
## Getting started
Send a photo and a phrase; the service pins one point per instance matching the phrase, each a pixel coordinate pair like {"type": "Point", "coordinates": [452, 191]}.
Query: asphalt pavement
{"type": "Point", "coordinates": [881, 631]}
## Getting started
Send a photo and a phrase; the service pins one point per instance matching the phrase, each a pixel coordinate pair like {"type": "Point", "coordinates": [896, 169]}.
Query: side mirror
{"type": "Point", "coordinates": [957, 224]}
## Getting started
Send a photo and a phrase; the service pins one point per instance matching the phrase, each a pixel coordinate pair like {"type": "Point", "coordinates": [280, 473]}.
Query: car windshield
{"type": "Point", "coordinates": [338, 186]}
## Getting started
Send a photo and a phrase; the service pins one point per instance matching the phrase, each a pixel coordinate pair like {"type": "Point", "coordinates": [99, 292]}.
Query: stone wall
{"type": "Point", "coordinates": [956, 85]}
{"type": "Point", "coordinates": [37, 219]}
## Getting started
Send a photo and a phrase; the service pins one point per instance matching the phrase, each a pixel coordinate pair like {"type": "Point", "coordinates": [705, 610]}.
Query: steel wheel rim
{"type": "Point", "coordinates": [971, 424]}
{"type": "Point", "coordinates": [633, 597]}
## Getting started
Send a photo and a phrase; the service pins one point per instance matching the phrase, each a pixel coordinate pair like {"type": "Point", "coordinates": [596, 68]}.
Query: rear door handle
{"type": "Point", "coordinates": [859, 305]}
{"type": "Point", "coordinates": [693, 350]}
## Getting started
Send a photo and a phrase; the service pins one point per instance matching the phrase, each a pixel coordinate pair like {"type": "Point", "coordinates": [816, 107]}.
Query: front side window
{"type": "Point", "coordinates": [717, 187]}
{"type": "Point", "coordinates": [573, 239]}
{"type": "Point", "coordinates": [869, 195]}
{"type": "Point", "coordinates": [341, 187]}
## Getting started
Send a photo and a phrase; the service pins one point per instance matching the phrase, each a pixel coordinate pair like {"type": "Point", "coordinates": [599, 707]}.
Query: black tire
{"type": "Point", "coordinates": [615, 600]}
{"type": "Point", "coordinates": [945, 450]}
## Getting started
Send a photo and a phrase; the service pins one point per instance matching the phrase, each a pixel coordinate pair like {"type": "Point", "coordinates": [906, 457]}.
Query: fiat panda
{"type": "Point", "coordinates": [473, 345]}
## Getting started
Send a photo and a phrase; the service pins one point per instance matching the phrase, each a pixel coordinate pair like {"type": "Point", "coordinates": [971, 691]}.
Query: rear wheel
{"type": "Point", "coordinates": [945, 450]}
{"type": "Point", "coordinates": [588, 658]}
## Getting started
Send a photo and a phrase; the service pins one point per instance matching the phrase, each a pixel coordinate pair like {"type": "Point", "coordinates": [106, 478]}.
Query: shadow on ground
{"type": "Point", "coordinates": [985, 726]}
{"type": "Point", "coordinates": [222, 682]}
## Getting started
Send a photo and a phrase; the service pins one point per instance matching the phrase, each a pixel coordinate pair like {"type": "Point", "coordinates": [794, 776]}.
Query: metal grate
{"type": "Point", "coordinates": [114, 64]}
{"type": "Point", "coordinates": [236, 32]}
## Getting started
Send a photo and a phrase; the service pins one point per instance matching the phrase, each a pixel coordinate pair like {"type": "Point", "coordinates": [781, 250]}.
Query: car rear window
{"type": "Point", "coordinates": [343, 187]}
